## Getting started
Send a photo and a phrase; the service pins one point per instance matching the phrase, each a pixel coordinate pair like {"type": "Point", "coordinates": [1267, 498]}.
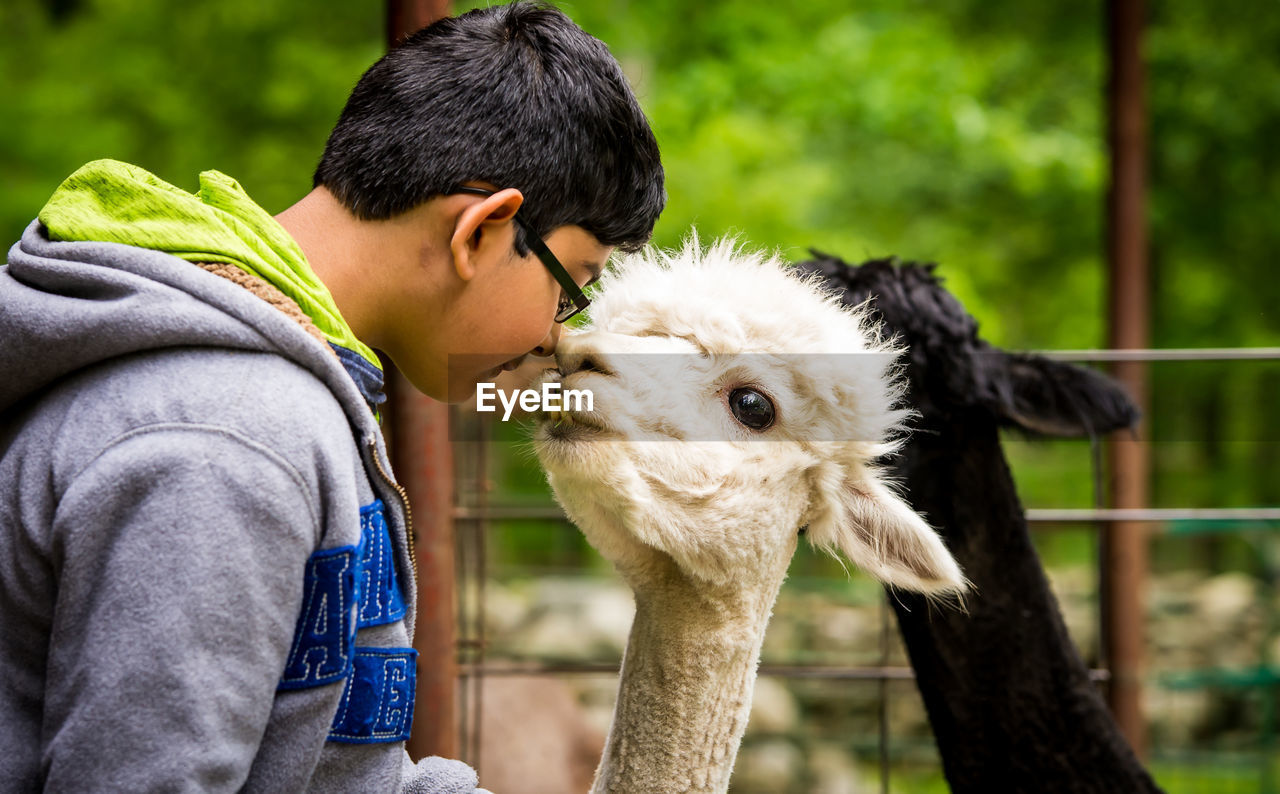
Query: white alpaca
{"type": "Point", "coordinates": [735, 405]}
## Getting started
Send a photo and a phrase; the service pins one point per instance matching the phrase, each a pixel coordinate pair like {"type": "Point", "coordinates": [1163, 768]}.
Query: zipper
{"type": "Point", "coordinates": [404, 502]}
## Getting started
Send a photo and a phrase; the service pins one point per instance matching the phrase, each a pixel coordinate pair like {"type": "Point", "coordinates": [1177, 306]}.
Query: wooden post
{"type": "Point", "coordinates": [406, 16]}
{"type": "Point", "coordinates": [1124, 543]}
{"type": "Point", "coordinates": [423, 462]}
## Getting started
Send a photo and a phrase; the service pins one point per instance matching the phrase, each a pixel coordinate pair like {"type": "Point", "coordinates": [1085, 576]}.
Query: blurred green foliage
{"type": "Point", "coordinates": [243, 86]}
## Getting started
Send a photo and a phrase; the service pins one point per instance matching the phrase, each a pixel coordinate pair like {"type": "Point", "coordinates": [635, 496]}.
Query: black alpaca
{"type": "Point", "coordinates": [1009, 699]}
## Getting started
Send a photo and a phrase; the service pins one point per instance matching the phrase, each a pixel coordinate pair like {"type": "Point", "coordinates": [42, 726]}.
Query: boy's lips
{"type": "Point", "coordinates": [506, 366]}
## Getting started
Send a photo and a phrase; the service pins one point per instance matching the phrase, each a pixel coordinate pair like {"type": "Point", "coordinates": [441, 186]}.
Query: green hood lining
{"type": "Point", "coordinates": [115, 202]}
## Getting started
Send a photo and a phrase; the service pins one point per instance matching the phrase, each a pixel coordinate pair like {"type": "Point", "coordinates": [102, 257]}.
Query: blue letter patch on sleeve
{"type": "Point", "coordinates": [380, 598]}
{"type": "Point", "coordinates": [326, 633]}
{"type": "Point", "coordinates": [377, 704]}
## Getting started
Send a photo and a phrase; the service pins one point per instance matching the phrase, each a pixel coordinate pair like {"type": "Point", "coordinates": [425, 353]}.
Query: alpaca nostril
{"type": "Point", "coordinates": [584, 363]}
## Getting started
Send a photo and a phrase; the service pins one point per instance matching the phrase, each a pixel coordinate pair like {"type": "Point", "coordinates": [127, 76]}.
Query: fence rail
{"type": "Point", "coordinates": [832, 672]}
{"type": "Point", "coordinates": [1166, 354]}
{"type": "Point", "coordinates": [1035, 515]}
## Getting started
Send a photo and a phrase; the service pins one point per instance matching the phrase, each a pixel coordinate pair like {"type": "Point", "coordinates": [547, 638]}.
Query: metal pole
{"type": "Point", "coordinates": [406, 16]}
{"type": "Point", "coordinates": [885, 628]}
{"type": "Point", "coordinates": [423, 462]}
{"type": "Point", "coordinates": [1124, 543]}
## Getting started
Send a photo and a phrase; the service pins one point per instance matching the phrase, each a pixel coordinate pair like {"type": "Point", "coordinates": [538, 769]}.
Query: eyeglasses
{"type": "Point", "coordinates": [572, 299]}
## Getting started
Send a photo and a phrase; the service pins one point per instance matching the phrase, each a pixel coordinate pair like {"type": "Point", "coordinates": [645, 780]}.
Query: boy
{"type": "Point", "coordinates": [205, 573]}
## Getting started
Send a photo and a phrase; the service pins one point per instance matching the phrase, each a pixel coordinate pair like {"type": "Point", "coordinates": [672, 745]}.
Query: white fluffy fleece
{"type": "Point", "coordinates": [664, 464]}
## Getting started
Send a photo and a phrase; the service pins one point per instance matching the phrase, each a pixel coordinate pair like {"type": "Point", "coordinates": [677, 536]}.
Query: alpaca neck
{"type": "Point", "coordinates": [1002, 675]}
{"type": "Point", "coordinates": [686, 686]}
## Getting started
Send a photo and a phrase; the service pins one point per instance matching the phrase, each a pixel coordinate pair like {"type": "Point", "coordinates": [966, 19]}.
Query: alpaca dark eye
{"type": "Point", "coordinates": [751, 408]}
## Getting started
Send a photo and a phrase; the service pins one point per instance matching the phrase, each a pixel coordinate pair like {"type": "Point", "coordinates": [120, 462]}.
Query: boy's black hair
{"type": "Point", "coordinates": [516, 96]}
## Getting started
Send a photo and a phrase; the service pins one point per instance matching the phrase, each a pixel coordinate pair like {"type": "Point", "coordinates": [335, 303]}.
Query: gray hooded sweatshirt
{"type": "Point", "coordinates": [205, 578]}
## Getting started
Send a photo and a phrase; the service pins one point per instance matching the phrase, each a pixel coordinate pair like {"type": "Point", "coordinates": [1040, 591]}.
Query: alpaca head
{"type": "Point", "coordinates": [954, 376]}
{"type": "Point", "coordinates": [735, 405]}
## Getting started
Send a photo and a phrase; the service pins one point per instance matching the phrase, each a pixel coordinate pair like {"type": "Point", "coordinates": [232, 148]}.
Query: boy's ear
{"type": "Point", "coordinates": [861, 517]}
{"type": "Point", "coordinates": [1053, 398]}
{"type": "Point", "coordinates": [474, 226]}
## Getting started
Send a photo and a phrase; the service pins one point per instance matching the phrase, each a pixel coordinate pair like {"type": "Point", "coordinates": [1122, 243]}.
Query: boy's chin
{"type": "Point", "coordinates": [460, 390]}
{"type": "Point", "coordinates": [456, 388]}
{"type": "Point", "coordinates": [459, 385]}
{"type": "Point", "coordinates": [463, 381]}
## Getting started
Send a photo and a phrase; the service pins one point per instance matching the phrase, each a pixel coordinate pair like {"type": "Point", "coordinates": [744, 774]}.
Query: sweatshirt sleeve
{"type": "Point", "coordinates": [436, 775]}
{"type": "Point", "coordinates": [179, 554]}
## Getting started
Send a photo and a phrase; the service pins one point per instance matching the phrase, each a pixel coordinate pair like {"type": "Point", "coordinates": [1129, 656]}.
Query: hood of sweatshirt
{"type": "Point", "coordinates": [95, 277]}
{"type": "Point", "coordinates": [113, 202]}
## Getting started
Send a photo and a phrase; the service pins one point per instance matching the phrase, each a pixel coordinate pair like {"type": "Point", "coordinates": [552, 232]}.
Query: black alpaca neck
{"type": "Point", "coordinates": [1010, 701]}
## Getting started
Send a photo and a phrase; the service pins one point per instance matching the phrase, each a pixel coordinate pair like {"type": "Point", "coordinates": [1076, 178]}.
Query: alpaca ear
{"type": "Point", "coordinates": [1053, 398]}
{"type": "Point", "coordinates": [883, 536]}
